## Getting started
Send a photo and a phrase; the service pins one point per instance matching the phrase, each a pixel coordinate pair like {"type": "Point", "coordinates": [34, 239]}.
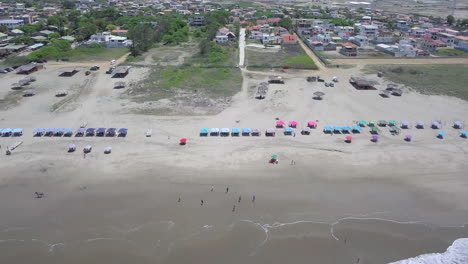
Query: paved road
{"type": "Point", "coordinates": [242, 47]}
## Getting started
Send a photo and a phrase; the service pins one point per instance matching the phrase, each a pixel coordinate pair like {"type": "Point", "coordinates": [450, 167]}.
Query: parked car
{"type": "Point", "coordinates": [326, 85]}
{"type": "Point", "coordinates": [331, 85]}
{"type": "Point", "coordinates": [3, 71]}
{"type": "Point", "coordinates": [320, 79]}
{"type": "Point", "coordinates": [112, 62]}
{"type": "Point", "coordinates": [94, 68]}
{"type": "Point", "coordinates": [9, 69]}
{"type": "Point", "coordinates": [111, 69]}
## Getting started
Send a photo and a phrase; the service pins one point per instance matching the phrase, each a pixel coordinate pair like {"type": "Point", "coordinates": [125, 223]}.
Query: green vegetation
{"type": "Point", "coordinates": [300, 62]}
{"type": "Point", "coordinates": [428, 79]}
{"type": "Point", "coordinates": [449, 52]}
{"type": "Point", "coordinates": [294, 57]}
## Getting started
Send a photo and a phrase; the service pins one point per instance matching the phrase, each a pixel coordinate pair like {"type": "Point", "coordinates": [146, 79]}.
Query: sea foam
{"type": "Point", "coordinates": [457, 253]}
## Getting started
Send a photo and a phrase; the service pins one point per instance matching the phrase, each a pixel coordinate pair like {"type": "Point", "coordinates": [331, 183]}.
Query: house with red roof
{"type": "Point", "coordinates": [262, 22]}
{"type": "Point", "coordinates": [120, 32]}
{"type": "Point", "coordinates": [348, 49]}
{"type": "Point", "coordinates": [273, 21]}
{"type": "Point", "coordinates": [288, 40]}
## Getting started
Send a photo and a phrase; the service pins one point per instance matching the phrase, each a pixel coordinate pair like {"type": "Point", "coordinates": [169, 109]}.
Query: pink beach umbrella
{"type": "Point", "coordinates": [293, 123]}
{"type": "Point", "coordinates": [375, 138]}
{"type": "Point", "coordinates": [279, 123]}
{"type": "Point", "coordinates": [312, 124]}
{"type": "Point", "coordinates": [349, 138]}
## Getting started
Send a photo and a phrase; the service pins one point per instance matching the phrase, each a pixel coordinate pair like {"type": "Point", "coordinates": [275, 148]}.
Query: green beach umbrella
{"type": "Point", "coordinates": [362, 122]}
{"type": "Point", "coordinates": [274, 156]}
{"type": "Point", "coordinates": [392, 122]}
{"type": "Point", "coordinates": [371, 123]}
{"type": "Point", "coordinates": [382, 122]}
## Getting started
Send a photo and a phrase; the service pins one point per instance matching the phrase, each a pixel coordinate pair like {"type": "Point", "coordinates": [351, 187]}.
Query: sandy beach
{"type": "Point", "coordinates": [362, 202]}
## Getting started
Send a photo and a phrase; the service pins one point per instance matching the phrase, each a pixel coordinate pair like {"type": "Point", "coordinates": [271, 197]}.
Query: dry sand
{"type": "Point", "coordinates": [328, 208]}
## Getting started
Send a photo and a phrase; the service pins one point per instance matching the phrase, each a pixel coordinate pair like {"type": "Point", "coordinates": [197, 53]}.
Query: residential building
{"type": "Point", "coordinates": [369, 31]}
{"type": "Point", "coordinates": [224, 36]}
{"type": "Point", "coordinates": [361, 41]}
{"type": "Point", "coordinates": [110, 41]}
{"type": "Point", "coordinates": [344, 29]}
{"type": "Point", "coordinates": [289, 39]}
{"type": "Point", "coordinates": [197, 21]}
{"type": "Point", "coordinates": [3, 37]}
{"type": "Point", "coordinates": [447, 38]}
{"type": "Point", "coordinates": [403, 25]}
{"type": "Point", "coordinates": [317, 45]}
{"type": "Point", "coordinates": [120, 32]}
{"type": "Point", "coordinates": [385, 37]}
{"type": "Point", "coordinates": [11, 23]}
{"type": "Point", "coordinates": [349, 49]}
{"type": "Point", "coordinates": [405, 49]}
{"type": "Point", "coordinates": [461, 43]}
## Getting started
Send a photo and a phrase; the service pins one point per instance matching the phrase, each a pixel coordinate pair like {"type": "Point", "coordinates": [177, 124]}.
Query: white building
{"type": "Point", "coordinates": [11, 23]}
{"type": "Point", "coordinates": [110, 41]}
{"type": "Point", "coordinates": [405, 49]}
{"type": "Point", "coordinates": [370, 31]}
{"type": "Point", "coordinates": [344, 29]}
{"type": "Point", "coordinates": [461, 43]}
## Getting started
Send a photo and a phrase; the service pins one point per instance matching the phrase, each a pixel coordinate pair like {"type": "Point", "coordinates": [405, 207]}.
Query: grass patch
{"type": "Point", "coordinates": [293, 56]}
{"type": "Point", "coordinates": [11, 99]}
{"type": "Point", "coordinates": [300, 62]}
{"type": "Point", "coordinates": [166, 82]}
{"type": "Point", "coordinates": [428, 79]}
{"type": "Point", "coordinates": [448, 52]}
{"type": "Point", "coordinates": [96, 54]}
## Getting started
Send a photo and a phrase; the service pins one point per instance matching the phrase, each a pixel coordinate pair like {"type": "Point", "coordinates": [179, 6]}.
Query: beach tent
{"type": "Point", "coordinates": [235, 132]}
{"type": "Point", "coordinates": [183, 141]}
{"type": "Point", "coordinates": [110, 132]}
{"type": "Point", "coordinates": [87, 149]}
{"type": "Point", "coordinates": [347, 129]}
{"type": "Point", "coordinates": [435, 125]}
{"type": "Point", "coordinates": [305, 130]}
{"type": "Point", "coordinates": [246, 131]}
{"type": "Point", "coordinates": [225, 131]}
{"type": "Point", "coordinates": [375, 130]}
{"type": "Point", "coordinates": [100, 131]}
{"type": "Point", "coordinates": [214, 131]}
{"type": "Point", "coordinates": [383, 123]}
{"type": "Point", "coordinates": [256, 132]}
{"type": "Point", "coordinates": [464, 134]}
{"type": "Point", "coordinates": [362, 123]}
{"type": "Point", "coordinates": [349, 139]}
{"type": "Point", "coordinates": [408, 137]}
{"type": "Point", "coordinates": [392, 123]}
{"type": "Point", "coordinates": [337, 129]}
{"type": "Point", "coordinates": [328, 129]}
{"type": "Point", "coordinates": [375, 138]}
{"type": "Point", "coordinates": [38, 132]}
{"type": "Point", "coordinates": [279, 124]}
{"type": "Point", "coordinates": [420, 125]}
{"type": "Point", "coordinates": [312, 124]}
{"type": "Point", "coordinates": [204, 132]}
{"type": "Point", "coordinates": [107, 150]}
{"type": "Point", "coordinates": [90, 131]}
{"type": "Point", "coordinates": [68, 132]}
{"type": "Point", "coordinates": [71, 147]}
{"type": "Point", "coordinates": [288, 131]}
{"type": "Point", "coordinates": [293, 124]}
{"type": "Point", "coordinates": [17, 132]}
{"type": "Point", "coordinates": [405, 124]}
{"type": "Point", "coordinates": [357, 129]}
{"type": "Point", "coordinates": [58, 132]}
{"type": "Point", "coordinates": [441, 135]}
{"type": "Point", "coordinates": [122, 132]}
{"type": "Point", "coordinates": [270, 132]}
{"type": "Point", "coordinates": [6, 132]}
{"type": "Point", "coordinates": [80, 132]}
{"type": "Point", "coordinates": [457, 125]}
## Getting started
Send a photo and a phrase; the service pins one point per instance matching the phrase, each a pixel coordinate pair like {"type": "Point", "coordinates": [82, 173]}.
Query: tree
{"type": "Point", "coordinates": [3, 29]}
{"type": "Point", "coordinates": [58, 21]}
{"type": "Point", "coordinates": [450, 19]}
{"type": "Point", "coordinates": [68, 5]}
{"type": "Point", "coordinates": [237, 29]}
{"type": "Point", "coordinates": [23, 40]}
{"type": "Point", "coordinates": [54, 35]}
{"type": "Point", "coordinates": [286, 23]}
{"type": "Point", "coordinates": [111, 27]}
{"type": "Point", "coordinates": [143, 37]}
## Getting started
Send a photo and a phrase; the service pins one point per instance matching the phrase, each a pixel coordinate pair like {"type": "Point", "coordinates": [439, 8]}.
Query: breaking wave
{"type": "Point", "coordinates": [457, 253]}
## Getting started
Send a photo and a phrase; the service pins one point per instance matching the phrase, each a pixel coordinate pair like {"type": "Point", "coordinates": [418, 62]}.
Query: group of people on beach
{"type": "Point", "coordinates": [202, 202]}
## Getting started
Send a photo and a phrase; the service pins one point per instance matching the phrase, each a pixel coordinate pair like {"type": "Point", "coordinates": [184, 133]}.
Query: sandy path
{"type": "Point", "coordinates": [422, 61]}
{"type": "Point", "coordinates": [242, 47]}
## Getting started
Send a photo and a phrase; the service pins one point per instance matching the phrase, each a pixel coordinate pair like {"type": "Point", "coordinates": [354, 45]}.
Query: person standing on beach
{"type": "Point", "coordinates": [253, 199]}
{"type": "Point", "coordinates": [227, 189]}
{"type": "Point", "coordinates": [212, 188]}
{"type": "Point", "coordinates": [201, 203]}
{"type": "Point", "coordinates": [179, 200]}
{"type": "Point", "coordinates": [233, 208]}
{"type": "Point", "coordinates": [239, 199]}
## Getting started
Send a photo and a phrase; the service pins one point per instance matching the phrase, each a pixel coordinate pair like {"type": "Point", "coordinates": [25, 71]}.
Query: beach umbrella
{"type": "Point", "coordinates": [375, 138]}
{"type": "Point", "coordinates": [382, 123]}
{"type": "Point", "coordinates": [235, 130]}
{"type": "Point", "coordinates": [183, 141]}
{"type": "Point", "coordinates": [71, 147]}
{"type": "Point", "coordinates": [312, 124]}
{"type": "Point", "coordinates": [464, 134]}
{"type": "Point", "coordinates": [328, 129]}
{"type": "Point", "coordinates": [107, 150]}
{"type": "Point", "coordinates": [338, 128]}
{"type": "Point", "coordinates": [347, 128]}
{"type": "Point", "coordinates": [440, 134]}
{"type": "Point", "coordinates": [408, 137]}
{"type": "Point", "coordinates": [293, 123]}
{"type": "Point", "coordinates": [349, 138]}
{"type": "Point", "coordinates": [319, 94]}
{"type": "Point", "coordinates": [457, 124]}
{"type": "Point", "coordinates": [392, 123]}
{"type": "Point", "coordinates": [420, 125]}
{"type": "Point", "coordinates": [405, 124]}
{"type": "Point", "coordinates": [362, 122]}
{"type": "Point", "coordinates": [204, 131]}
{"type": "Point", "coordinates": [279, 123]}
{"type": "Point", "coordinates": [274, 156]}
{"type": "Point", "coordinates": [435, 125]}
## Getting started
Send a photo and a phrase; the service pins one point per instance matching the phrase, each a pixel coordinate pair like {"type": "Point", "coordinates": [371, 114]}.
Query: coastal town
{"type": "Point", "coordinates": [195, 131]}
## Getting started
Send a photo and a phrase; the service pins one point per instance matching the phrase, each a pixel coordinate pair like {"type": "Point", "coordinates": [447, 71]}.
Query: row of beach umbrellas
{"type": "Point", "coordinates": [406, 124]}
{"type": "Point", "coordinates": [79, 132]}
{"type": "Point", "coordinates": [6, 132]}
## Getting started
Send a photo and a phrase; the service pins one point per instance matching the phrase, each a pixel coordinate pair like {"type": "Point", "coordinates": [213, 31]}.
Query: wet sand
{"type": "Point", "coordinates": [295, 218]}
